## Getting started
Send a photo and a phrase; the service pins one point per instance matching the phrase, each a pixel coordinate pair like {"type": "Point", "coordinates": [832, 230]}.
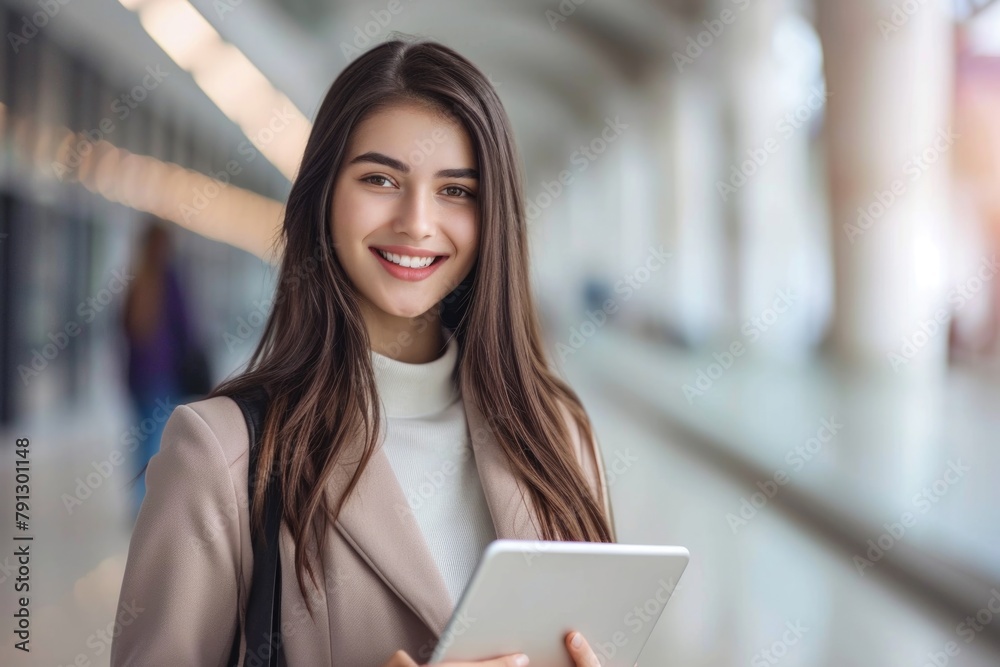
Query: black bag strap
{"type": "Point", "coordinates": [262, 626]}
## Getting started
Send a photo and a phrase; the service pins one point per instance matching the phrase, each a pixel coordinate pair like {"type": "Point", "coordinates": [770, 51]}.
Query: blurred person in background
{"type": "Point", "coordinates": [163, 363]}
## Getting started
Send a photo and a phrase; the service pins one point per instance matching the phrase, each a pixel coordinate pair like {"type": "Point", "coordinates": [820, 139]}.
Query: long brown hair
{"type": "Point", "coordinates": [314, 355]}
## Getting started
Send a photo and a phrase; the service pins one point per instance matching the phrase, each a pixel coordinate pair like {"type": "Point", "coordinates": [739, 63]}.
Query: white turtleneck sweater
{"type": "Point", "coordinates": [428, 445]}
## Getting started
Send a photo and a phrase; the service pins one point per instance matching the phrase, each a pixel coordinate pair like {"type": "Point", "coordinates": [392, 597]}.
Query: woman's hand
{"type": "Point", "coordinates": [403, 659]}
{"type": "Point", "coordinates": [580, 651]}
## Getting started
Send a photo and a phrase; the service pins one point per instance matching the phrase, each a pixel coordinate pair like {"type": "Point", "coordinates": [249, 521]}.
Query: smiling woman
{"type": "Point", "coordinates": [410, 414]}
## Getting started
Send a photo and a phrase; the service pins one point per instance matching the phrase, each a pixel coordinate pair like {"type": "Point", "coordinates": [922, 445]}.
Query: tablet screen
{"type": "Point", "coordinates": [525, 595]}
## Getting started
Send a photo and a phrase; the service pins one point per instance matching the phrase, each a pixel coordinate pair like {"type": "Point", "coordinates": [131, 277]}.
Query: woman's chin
{"type": "Point", "coordinates": [404, 310]}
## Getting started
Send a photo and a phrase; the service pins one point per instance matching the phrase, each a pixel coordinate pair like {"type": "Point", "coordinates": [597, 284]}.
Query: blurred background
{"type": "Point", "coordinates": [763, 235]}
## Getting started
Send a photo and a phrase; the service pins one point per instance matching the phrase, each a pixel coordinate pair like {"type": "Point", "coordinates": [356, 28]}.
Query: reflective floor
{"type": "Point", "coordinates": [769, 588]}
{"type": "Point", "coordinates": [861, 451]}
{"type": "Point", "coordinates": [742, 591]}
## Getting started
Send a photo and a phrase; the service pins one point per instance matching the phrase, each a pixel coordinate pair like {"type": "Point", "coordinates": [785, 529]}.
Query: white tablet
{"type": "Point", "coordinates": [525, 595]}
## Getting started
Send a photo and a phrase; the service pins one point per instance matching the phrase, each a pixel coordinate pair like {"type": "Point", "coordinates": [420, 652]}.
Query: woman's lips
{"type": "Point", "coordinates": [408, 272]}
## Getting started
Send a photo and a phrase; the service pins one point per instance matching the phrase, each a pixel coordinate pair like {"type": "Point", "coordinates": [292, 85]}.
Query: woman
{"type": "Point", "coordinates": [413, 416]}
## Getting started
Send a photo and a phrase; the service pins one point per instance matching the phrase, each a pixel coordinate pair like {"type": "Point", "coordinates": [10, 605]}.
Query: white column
{"type": "Point", "coordinates": [690, 151]}
{"type": "Point", "coordinates": [781, 246]}
{"type": "Point", "coordinates": [889, 72]}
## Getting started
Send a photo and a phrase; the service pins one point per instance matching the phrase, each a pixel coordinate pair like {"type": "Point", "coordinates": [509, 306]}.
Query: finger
{"type": "Point", "coordinates": [401, 659]}
{"type": "Point", "coordinates": [580, 651]}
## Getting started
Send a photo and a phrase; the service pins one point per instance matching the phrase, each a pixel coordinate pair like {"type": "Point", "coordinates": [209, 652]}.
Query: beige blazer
{"type": "Point", "coordinates": [190, 560]}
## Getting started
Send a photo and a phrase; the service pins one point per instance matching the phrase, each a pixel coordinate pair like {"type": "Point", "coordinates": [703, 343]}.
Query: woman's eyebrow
{"type": "Point", "coordinates": [458, 173]}
{"type": "Point", "coordinates": [384, 160]}
{"type": "Point", "coordinates": [399, 165]}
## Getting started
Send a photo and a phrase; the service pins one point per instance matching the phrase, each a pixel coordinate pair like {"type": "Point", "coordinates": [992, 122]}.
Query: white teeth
{"type": "Point", "coordinates": [406, 260]}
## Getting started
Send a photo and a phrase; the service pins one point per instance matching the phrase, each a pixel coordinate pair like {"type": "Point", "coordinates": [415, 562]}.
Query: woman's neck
{"type": "Point", "coordinates": [415, 340]}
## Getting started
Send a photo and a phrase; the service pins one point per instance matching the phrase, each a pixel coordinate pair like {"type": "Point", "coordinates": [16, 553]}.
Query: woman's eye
{"type": "Point", "coordinates": [455, 191]}
{"type": "Point", "coordinates": [381, 181]}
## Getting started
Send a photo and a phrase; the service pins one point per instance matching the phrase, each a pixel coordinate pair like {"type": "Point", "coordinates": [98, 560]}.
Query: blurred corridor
{"type": "Point", "coordinates": [763, 236]}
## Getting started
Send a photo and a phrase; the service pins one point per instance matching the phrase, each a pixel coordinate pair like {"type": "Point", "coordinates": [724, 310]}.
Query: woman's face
{"type": "Point", "coordinates": [408, 187]}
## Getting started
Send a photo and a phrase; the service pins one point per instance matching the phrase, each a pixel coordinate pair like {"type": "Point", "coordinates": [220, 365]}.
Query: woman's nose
{"type": "Point", "coordinates": [416, 218]}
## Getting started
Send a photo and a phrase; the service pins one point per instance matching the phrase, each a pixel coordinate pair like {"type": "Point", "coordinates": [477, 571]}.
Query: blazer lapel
{"type": "Point", "coordinates": [378, 523]}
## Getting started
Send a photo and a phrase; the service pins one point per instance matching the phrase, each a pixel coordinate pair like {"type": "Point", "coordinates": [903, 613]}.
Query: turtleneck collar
{"type": "Point", "coordinates": [415, 390]}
